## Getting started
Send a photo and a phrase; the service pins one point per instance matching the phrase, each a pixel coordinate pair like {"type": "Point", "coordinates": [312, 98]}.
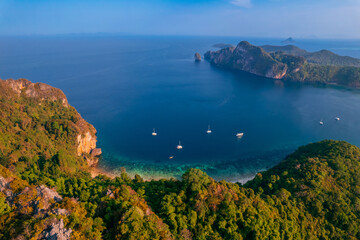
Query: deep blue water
{"type": "Point", "coordinates": [126, 86]}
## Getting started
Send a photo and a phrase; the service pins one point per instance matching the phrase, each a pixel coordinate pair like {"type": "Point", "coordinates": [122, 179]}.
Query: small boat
{"type": "Point", "coordinates": [209, 130]}
{"type": "Point", "coordinates": [239, 135]}
{"type": "Point", "coordinates": [171, 157]}
{"type": "Point", "coordinates": [337, 118]}
{"type": "Point", "coordinates": [321, 123]}
{"type": "Point", "coordinates": [179, 146]}
{"type": "Point", "coordinates": [154, 133]}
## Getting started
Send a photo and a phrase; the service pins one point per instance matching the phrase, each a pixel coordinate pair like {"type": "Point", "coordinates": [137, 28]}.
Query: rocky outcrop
{"type": "Point", "coordinates": [57, 231]}
{"type": "Point", "coordinates": [197, 57]}
{"type": "Point", "coordinates": [86, 142]}
{"type": "Point", "coordinates": [35, 202]}
{"type": "Point", "coordinates": [45, 198]}
{"type": "Point", "coordinates": [40, 91]}
{"type": "Point", "coordinates": [249, 58]}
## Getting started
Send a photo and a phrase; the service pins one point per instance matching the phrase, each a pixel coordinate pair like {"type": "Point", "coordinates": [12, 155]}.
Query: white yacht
{"type": "Point", "coordinates": [337, 118]}
{"type": "Point", "coordinates": [321, 123]}
{"type": "Point", "coordinates": [154, 133]}
{"type": "Point", "coordinates": [239, 135]}
{"type": "Point", "coordinates": [179, 146]}
{"type": "Point", "coordinates": [209, 130]}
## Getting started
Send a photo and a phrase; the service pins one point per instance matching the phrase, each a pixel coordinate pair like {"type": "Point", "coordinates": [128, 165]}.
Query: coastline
{"type": "Point", "coordinates": [96, 171]}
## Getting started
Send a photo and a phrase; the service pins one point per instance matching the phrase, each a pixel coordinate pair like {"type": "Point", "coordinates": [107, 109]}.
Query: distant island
{"type": "Point", "coordinates": [288, 41]}
{"type": "Point", "coordinates": [222, 45]}
{"type": "Point", "coordinates": [289, 63]}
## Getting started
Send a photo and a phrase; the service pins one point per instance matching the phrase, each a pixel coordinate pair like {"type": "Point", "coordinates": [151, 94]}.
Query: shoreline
{"type": "Point", "coordinates": [96, 171]}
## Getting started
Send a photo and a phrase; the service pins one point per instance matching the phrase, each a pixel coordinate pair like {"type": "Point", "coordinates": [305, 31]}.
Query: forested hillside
{"type": "Point", "coordinates": [46, 191]}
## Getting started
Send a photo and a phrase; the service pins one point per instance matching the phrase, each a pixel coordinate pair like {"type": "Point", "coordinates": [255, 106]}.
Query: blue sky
{"type": "Point", "coordinates": [258, 18]}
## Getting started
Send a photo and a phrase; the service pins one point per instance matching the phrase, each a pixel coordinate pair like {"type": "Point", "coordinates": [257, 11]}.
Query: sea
{"type": "Point", "coordinates": [127, 86]}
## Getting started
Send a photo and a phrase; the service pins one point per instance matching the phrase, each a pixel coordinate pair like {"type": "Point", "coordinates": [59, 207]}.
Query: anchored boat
{"type": "Point", "coordinates": [154, 133]}
{"type": "Point", "coordinates": [239, 135]}
{"type": "Point", "coordinates": [179, 146]}
{"type": "Point", "coordinates": [209, 130]}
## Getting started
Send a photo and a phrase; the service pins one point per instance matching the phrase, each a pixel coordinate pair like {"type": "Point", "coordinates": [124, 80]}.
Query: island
{"type": "Point", "coordinates": [289, 64]}
{"type": "Point", "coordinates": [288, 41]}
{"type": "Point", "coordinates": [197, 57]}
{"type": "Point", "coordinates": [47, 192]}
{"type": "Point", "coordinates": [222, 45]}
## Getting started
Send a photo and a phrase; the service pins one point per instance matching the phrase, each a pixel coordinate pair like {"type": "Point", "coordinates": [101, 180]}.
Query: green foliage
{"type": "Point", "coordinates": [313, 194]}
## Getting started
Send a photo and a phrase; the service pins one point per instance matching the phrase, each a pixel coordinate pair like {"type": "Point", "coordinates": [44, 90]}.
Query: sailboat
{"type": "Point", "coordinates": [239, 135]}
{"type": "Point", "coordinates": [209, 130]}
{"type": "Point", "coordinates": [179, 146]}
{"type": "Point", "coordinates": [154, 133]}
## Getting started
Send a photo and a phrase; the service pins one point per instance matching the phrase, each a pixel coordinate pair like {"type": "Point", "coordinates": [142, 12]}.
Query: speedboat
{"type": "Point", "coordinates": [321, 123]}
{"type": "Point", "coordinates": [337, 118]}
{"type": "Point", "coordinates": [179, 146]}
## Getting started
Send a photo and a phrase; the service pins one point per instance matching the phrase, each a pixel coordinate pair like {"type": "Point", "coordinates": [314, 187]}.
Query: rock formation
{"type": "Point", "coordinates": [289, 63]}
{"type": "Point", "coordinates": [40, 91]}
{"type": "Point", "coordinates": [57, 231]}
{"type": "Point", "coordinates": [197, 57]}
{"type": "Point", "coordinates": [249, 58]}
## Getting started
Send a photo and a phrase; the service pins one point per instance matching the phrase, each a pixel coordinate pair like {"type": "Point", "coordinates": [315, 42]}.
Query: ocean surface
{"type": "Point", "coordinates": [127, 85]}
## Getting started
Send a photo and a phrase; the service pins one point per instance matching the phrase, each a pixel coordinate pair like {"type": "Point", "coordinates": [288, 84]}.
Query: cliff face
{"type": "Point", "coordinates": [40, 91]}
{"type": "Point", "coordinates": [57, 120]}
{"type": "Point", "coordinates": [249, 58]}
{"type": "Point", "coordinates": [289, 63]}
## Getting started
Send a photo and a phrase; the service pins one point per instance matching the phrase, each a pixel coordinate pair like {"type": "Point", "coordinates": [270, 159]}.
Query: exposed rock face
{"type": "Point", "coordinates": [57, 231]}
{"type": "Point", "coordinates": [46, 196]}
{"type": "Point", "coordinates": [249, 58]}
{"type": "Point", "coordinates": [96, 152]}
{"type": "Point", "coordinates": [37, 202]}
{"type": "Point", "coordinates": [86, 143]}
{"type": "Point", "coordinates": [197, 57]}
{"type": "Point", "coordinates": [41, 91]}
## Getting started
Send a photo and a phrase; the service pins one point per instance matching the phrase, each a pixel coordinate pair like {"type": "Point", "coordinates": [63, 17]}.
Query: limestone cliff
{"type": "Point", "coordinates": [41, 94]}
{"type": "Point", "coordinates": [249, 58]}
{"type": "Point", "coordinates": [39, 91]}
{"type": "Point", "coordinates": [289, 63]}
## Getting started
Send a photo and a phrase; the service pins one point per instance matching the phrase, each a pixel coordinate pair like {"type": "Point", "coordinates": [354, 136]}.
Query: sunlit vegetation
{"type": "Point", "coordinates": [313, 194]}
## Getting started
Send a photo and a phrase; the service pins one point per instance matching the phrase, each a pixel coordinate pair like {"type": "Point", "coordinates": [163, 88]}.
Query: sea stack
{"type": "Point", "coordinates": [197, 57]}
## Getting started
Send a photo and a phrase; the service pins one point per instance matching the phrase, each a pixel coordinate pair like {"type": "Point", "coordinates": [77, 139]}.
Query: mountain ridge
{"type": "Point", "coordinates": [289, 63]}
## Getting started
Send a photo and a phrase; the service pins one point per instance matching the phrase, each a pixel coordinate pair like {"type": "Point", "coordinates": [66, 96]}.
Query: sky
{"type": "Point", "coordinates": [253, 18]}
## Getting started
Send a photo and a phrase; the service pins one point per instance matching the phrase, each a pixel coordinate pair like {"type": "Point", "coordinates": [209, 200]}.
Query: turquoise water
{"type": "Point", "coordinates": [126, 86]}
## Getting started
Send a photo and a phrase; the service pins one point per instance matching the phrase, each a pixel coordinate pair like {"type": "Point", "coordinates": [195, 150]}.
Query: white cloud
{"type": "Point", "coordinates": [242, 3]}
